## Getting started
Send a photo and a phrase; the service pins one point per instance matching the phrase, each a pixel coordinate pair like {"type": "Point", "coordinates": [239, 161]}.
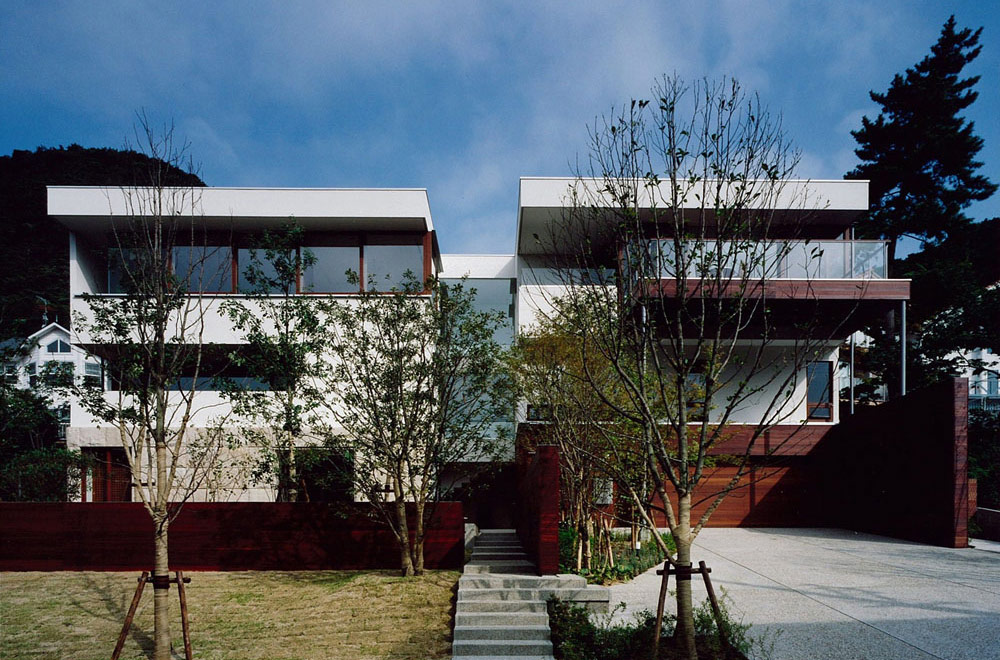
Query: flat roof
{"type": "Point", "coordinates": [829, 206]}
{"type": "Point", "coordinates": [91, 208]}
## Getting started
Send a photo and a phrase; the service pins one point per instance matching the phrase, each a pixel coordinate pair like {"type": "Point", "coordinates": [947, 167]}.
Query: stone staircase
{"type": "Point", "coordinates": [501, 610]}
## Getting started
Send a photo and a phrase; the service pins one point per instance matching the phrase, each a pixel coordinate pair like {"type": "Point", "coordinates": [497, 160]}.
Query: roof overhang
{"type": "Point", "coordinates": [827, 208]}
{"type": "Point", "coordinates": [92, 210]}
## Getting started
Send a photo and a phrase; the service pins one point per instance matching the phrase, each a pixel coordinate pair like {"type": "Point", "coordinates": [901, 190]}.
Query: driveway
{"type": "Point", "coordinates": [838, 594]}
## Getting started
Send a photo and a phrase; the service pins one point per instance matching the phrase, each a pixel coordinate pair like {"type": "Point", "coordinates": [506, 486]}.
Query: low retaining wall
{"type": "Point", "coordinates": [900, 469]}
{"type": "Point", "coordinates": [989, 523]}
{"type": "Point", "coordinates": [215, 537]}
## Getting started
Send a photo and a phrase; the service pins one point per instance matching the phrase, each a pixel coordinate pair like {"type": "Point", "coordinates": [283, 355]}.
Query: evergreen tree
{"type": "Point", "coordinates": [919, 153]}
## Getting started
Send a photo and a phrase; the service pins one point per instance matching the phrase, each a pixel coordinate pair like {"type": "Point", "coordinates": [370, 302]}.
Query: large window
{"type": "Point", "coordinates": [204, 268]}
{"type": "Point", "coordinates": [387, 265]}
{"type": "Point", "coordinates": [819, 385]}
{"type": "Point", "coordinates": [261, 272]}
{"type": "Point", "coordinates": [495, 296]}
{"type": "Point", "coordinates": [328, 272]}
{"type": "Point", "coordinates": [123, 266]}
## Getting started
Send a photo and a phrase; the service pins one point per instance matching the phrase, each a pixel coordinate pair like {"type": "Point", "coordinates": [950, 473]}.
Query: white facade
{"type": "Point", "coordinates": [373, 219]}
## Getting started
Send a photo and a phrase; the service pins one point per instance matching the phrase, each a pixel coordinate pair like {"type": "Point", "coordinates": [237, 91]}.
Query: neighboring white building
{"type": "Point", "coordinates": [984, 384]}
{"type": "Point", "coordinates": [49, 361]}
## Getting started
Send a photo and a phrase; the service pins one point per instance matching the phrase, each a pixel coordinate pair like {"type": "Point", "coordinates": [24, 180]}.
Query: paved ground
{"type": "Point", "coordinates": [841, 595]}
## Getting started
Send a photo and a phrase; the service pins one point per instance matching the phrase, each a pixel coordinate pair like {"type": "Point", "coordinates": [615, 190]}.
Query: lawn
{"type": "Point", "coordinates": [237, 616]}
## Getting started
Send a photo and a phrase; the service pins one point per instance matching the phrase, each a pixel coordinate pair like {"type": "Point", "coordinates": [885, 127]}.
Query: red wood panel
{"type": "Point", "coordinates": [538, 498]}
{"type": "Point", "coordinates": [787, 289]}
{"type": "Point", "coordinates": [781, 440]}
{"type": "Point", "coordinates": [766, 497]}
{"type": "Point", "coordinates": [216, 537]}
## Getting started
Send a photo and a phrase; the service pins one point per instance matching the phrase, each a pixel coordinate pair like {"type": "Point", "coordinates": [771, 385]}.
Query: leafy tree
{"type": "Point", "coordinates": [152, 341]}
{"type": "Point", "coordinates": [34, 249]}
{"type": "Point", "coordinates": [35, 466]}
{"type": "Point", "coordinates": [284, 335]}
{"type": "Point", "coordinates": [553, 366]}
{"type": "Point", "coordinates": [416, 384]}
{"type": "Point", "coordinates": [919, 153]}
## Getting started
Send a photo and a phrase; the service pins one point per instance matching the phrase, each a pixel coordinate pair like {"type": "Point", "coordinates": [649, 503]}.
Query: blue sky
{"type": "Point", "coordinates": [457, 97]}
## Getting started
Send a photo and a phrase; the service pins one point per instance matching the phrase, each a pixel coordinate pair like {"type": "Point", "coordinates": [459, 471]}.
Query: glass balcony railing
{"type": "Point", "coordinates": [805, 260]}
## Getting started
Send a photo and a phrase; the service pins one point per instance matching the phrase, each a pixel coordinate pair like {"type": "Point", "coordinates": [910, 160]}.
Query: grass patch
{"type": "Point", "coordinates": [302, 615]}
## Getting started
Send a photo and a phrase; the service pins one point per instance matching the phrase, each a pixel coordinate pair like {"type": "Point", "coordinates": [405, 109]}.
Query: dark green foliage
{"type": "Point", "coordinates": [34, 249]}
{"type": "Point", "coordinates": [33, 465]}
{"type": "Point", "coordinates": [41, 475]}
{"type": "Point", "coordinates": [628, 562]}
{"type": "Point", "coordinates": [919, 153]}
{"type": "Point", "coordinates": [575, 637]}
{"type": "Point", "coordinates": [984, 456]}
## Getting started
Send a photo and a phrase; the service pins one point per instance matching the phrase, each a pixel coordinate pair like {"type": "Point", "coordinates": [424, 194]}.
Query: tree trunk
{"type": "Point", "coordinates": [418, 540]}
{"type": "Point", "coordinates": [685, 610]}
{"type": "Point", "coordinates": [585, 535]}
{"type": "Point", "coordinates": [403, 536]}
{"type": "Point", "coordinates": [161, 591]}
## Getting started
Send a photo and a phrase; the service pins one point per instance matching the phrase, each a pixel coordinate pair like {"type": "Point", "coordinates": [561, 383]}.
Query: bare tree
{"type": "Point", "coordinates": [683, 213]}
{"type": "Point", "coordinates": [151, 338]}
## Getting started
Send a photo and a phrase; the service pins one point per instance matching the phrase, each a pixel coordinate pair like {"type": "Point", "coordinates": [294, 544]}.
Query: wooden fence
{"type": "Point", "coordinates": [215, 537]}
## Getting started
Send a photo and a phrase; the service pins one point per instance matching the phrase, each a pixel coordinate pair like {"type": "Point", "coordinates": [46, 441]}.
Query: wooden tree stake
{"type": "Point", "coordinates": [180, 581]}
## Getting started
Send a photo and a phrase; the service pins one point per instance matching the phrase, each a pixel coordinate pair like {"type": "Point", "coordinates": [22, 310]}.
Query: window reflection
{"type": "Point", "coordinates": [389, 267]}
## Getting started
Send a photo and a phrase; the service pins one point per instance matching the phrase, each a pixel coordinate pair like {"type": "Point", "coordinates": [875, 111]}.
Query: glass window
{"type": "Point", "coordinates": [92, 375]}
{"type": "Point", "coordinates": [819, 385]}
{"type": "Point", "coordinates": [32, 372]}
{"type": "Point", "coordinates": [122, 265]}
{"type": "Point", "coordinates": [261, 272]}
{"type": "Point", "coordinates": [58, 346]}
{"type": "Point", "coordinates": [204, 268]}
{"type": "Point", "coordinates": [58, 374]}
{"type": "Point", "coordinates": [492, 295]}
{"type": "Point", "coordinates": [328, 272]}
{"type": "Point", "coordinates": [992, 384]}
{"type": "Point", "coordinates": [386, 266]}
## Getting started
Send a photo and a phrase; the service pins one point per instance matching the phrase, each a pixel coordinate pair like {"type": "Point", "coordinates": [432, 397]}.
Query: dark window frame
{"type": "Point", "coordinates": [814, 406]}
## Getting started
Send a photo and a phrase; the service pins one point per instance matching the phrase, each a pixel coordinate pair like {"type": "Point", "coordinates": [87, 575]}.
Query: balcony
{"type": "Point", "coordinates": [796, 260]}
{"type": "Point", "coordinates": [795, 280]}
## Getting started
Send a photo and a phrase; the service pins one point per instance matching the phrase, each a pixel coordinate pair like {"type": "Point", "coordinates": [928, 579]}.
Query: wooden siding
{"type": "Point", "coordinates": [781, 440]}
{"type": "Point", "coordinates": [787, 289]}
{"type": "Point", "coordinates": [538, 507]}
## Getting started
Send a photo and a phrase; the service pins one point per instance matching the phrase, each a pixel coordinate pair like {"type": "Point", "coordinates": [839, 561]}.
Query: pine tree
{"type": "Point", "coordinates": [919, 153]}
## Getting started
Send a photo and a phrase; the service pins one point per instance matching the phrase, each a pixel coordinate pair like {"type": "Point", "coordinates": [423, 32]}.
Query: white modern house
{"type": "Point", "coordinates": [387, 232]}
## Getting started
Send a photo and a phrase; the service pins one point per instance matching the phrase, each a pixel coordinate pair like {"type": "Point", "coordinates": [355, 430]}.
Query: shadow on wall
{"type": "Point", "coordinates": [900, 469]}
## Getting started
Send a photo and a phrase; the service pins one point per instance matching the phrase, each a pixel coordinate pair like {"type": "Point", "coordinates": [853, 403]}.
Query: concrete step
{"type": "Point", "coordinates": [502, 632]}
{"type": "Point", "coordinates": [508, 594]}
{"type": "Point", "coordinates": [509, 647]}
{"type": "Point", "coordinates": [501, 619]}
{"type": "Point", "coordinates": [504, 567]}
{"type": "Point", "coordinates": [504, 555]}
{"type": "Point", "coordinates": [522, 582]}
{"type": "Point", "coordinates": [496, 547]}
{"type": "Point", "coordinates": [500, 606]}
